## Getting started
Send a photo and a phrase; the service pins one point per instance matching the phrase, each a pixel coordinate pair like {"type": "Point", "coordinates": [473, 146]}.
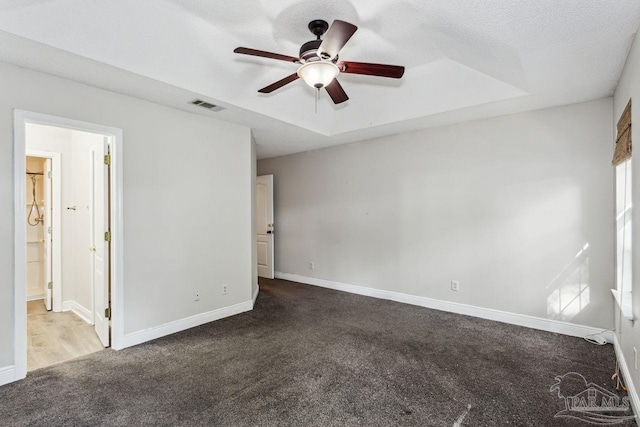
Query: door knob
{"type": "Point", "coordinates": [269, 232]}
{"type": "Point", "coordinates": [92, 248]}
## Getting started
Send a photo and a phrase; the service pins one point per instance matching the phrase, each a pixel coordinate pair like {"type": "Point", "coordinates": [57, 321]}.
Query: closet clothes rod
{"type": "Point", "coordinates": [35, 173]}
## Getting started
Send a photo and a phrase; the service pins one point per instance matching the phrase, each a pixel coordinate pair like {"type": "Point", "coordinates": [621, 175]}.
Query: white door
{"type": "Point", "coordinates": [264, 217]}
{"type": "Point", "coordinates": [48, 253]}
{"type": "Point", "coordinates": [100, 247]}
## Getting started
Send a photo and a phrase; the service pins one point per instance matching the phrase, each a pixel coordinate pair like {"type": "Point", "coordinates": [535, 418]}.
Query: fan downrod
{"type": "Point", "coordinates": [318, 27]}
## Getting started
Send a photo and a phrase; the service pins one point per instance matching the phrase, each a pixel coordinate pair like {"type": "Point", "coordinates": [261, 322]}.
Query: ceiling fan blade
{"type": "Point", "coordinates": [338, 35]}
{"type": "Point", "coordinates": [380, 70]}
{"type": "Point", "coordinates": [279, 83]}
{"type": "Point", "coordinates": [264, 54]}
{"type": "Point", "coordinates": [336, 92]}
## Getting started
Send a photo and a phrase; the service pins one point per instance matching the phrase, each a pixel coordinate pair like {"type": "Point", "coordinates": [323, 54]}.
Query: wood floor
{"type": "Point", "coordinates": [55, 337]}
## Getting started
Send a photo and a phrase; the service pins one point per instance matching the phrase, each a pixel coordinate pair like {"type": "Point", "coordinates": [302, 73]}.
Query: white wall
{"type": "Point", "coordinates": [629, 88]}
{"type": "Point", "coordinates": [518, 208]}
{"type": "Point", "coordinates": [187, 200]}
{"type": "Point", "coordinates": [254, 227]}
{"type": "Point", "coordinates": [79, 233]}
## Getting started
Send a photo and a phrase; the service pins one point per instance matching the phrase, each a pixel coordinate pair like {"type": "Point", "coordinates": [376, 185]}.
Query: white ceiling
{"type": "Point", "coordinates": [465, 59]}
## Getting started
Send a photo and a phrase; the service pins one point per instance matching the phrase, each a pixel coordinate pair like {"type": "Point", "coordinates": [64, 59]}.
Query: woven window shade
{"type": "Point", "coordinates": [622, 151]}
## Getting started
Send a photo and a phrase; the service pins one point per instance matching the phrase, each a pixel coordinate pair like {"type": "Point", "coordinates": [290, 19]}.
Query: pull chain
{"type": "Point", "coordinates": [317, 94]}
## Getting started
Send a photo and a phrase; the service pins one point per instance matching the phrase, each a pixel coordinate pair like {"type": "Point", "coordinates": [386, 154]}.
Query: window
{"type": "Point", "coordinates": [622, 163]}
{"type": "Point", "coordinates": [623, 226]}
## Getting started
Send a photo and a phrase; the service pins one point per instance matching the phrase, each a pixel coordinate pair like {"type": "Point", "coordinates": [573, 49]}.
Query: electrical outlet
{"type": "Point", "coordinates": [455, 285]}
{"type": "Point", "coordinates": [197, 296]}
{"type": "Point", "coordinates": [312, 265]}
{"type": "Point", "coordinates": [635, 358]}
{"type": "Point", "coordinates": [224, 289]}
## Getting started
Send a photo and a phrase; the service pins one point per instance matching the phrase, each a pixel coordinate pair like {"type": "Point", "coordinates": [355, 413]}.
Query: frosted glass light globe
{"type": "Point", "coordinates": [318, 74]}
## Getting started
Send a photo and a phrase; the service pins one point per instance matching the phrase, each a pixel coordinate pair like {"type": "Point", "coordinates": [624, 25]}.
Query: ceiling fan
{"type": "Point", "coordinates": [319, 62]}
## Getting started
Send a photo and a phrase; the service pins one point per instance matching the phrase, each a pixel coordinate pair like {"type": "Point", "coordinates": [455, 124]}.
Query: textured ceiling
{"type": "Point", "coordinates": [464, 59]}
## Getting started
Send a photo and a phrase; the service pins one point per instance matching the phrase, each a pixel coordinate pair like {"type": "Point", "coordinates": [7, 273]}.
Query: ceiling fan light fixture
{"type": "Point", "coordinates": [319, 58]}
{"type": "Point", "coordinates": [318, 74]}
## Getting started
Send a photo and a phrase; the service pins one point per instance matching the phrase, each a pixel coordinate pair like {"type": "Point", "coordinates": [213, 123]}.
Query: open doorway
{"type": "Point", "coordinates": [66, 317]}
{"type": "Point", "coordinates": [66, 224]}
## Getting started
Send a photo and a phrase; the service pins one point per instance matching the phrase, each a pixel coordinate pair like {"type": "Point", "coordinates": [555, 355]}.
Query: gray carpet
{"type": "Point", "coordinates": [308, 356]}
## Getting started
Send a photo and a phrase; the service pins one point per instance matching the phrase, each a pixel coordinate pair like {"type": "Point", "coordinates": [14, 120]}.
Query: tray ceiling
{"type": "Point", "coordinates": [464, 59]}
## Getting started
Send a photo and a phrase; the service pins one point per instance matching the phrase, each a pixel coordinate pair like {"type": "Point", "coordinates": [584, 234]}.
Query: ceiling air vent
{"type": "Point", "coordinates": [207, 105]}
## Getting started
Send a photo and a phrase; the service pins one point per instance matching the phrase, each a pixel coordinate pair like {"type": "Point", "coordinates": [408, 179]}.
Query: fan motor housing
{"type": "Point", "coordinates": [308, 51]}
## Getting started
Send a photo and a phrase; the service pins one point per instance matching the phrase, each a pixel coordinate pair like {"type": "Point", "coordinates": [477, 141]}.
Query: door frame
{"type": "Point", "coordinates": [20, 120]}
{"type": "Point", "coordinates": [56, 221]}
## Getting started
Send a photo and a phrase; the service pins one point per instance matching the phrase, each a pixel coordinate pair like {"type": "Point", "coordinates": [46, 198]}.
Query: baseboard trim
{"type": "Point", "coordinates": [79, 310]}
{"type": "Point", "coordinates": [139, 337]}
{"type": "Point", "coordinates": [7, 375]}
{"type": "Point", "coordinates": [35, 297]}
{"type": "Point", "coordinates": [256, 291]}
{"type": "Point", "coordinates": [539, 323]}
{"type": "Point", "coordinates": [626, 376]}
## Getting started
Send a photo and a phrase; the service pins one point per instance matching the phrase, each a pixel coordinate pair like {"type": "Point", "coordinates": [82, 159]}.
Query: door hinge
{"type": "Point", "coordinates": [50, 285]}
{"type": "Point", "coordinates": [107, 313]}
{"type": "Point", "coordinates": [107, 159]}
{"type": "Point", "coordinates": [49, 174]}
{"type": "Point", "coordinates": [107, 236]}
